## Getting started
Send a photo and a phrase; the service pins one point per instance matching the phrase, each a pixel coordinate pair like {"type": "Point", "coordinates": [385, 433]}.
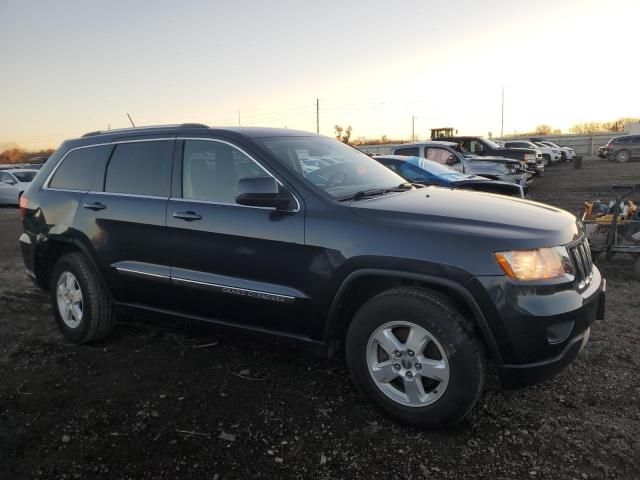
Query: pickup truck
{"type": "Point", "coordinates": [485, 147]}
{"type": "Point", "coordinates": [450, 154]}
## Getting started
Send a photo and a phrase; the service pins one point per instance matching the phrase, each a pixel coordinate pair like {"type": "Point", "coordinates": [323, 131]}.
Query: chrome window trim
{"type": "Point", "coordinates": [132, 195]}
{"type": "Point", "coordinates": [297, 209]}
{"type": "Point", "coordinates": [207, 202]}
{"type": "Point", "coordinates": [45, 185]}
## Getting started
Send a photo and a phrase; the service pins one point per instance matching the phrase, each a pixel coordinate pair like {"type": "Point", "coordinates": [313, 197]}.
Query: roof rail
{"type": "Point", "coordinates": [149, 127]}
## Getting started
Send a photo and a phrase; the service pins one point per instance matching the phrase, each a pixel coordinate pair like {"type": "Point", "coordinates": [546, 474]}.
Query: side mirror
{"type": "Point", "coordinates": [261, 192]}
{"type": "Point", "coordinates": [452, 160]}
{"type": "Point", "coordinates": [10, 181]}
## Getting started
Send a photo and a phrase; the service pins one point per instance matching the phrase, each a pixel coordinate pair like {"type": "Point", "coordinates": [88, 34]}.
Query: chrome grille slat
{"type": "Point", "coordinates": [582, 261]}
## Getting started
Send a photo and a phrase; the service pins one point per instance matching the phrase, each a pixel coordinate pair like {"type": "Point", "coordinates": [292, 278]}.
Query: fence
{"type": "Point", "coordinates": [586, 145]}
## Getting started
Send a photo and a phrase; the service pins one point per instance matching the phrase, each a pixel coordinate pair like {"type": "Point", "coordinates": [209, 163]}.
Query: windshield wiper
{"type": "Point", "coordinates": [372, 192]}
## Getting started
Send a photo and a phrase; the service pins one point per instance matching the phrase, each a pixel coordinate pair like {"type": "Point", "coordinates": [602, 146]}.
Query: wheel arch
{"type": "Point", "coordinates": [363, 284]}
{"type": "Point", "coordinates": [56, 247]}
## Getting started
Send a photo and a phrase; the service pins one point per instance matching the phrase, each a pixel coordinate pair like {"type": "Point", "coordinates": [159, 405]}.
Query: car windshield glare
{"type": "Point", "coordinates": [338, 169]}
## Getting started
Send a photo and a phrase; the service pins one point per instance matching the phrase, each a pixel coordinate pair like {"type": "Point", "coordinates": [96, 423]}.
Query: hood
{"type": "Point", "coordinates": [512, 221]}
{"type": "Point", "coordinates": [494, 159]}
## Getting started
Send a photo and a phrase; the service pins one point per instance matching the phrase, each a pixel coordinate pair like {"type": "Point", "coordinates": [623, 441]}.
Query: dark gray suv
{"type": "Point", "coordinates": [421, 287]}
{"type": "Point", "coordinates": [621, 149]}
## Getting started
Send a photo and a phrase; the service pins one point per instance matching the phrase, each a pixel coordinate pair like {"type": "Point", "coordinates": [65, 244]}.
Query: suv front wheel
{"type": "Point", "coordinates": [416, 357]}
{"type": "Point", "coordinates": [81, 305]}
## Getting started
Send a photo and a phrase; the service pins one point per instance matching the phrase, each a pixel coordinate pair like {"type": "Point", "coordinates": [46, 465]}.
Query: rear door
{"type": "Point", "coordinates": [234, 263]}
{"type": "Point", "coordinates": [635, 146]}
{"type": "Point", "coordinates": [124, 218]}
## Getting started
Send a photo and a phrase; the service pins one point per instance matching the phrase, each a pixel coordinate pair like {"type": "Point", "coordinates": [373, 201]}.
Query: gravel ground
{"type": "Point", "coordinates": [162, 399]}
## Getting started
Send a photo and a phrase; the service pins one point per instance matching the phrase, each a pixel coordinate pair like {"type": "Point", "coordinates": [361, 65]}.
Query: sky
{"type": "Point", "coordinates": [72, 66]}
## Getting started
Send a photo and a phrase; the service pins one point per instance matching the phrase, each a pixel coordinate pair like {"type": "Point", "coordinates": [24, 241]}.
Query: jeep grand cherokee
{"type": "Point", "coordinates": [423, 287]}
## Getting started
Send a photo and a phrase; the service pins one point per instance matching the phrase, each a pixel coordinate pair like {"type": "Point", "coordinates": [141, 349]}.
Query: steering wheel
{"type": "Point", "coordinates": [330, 176]}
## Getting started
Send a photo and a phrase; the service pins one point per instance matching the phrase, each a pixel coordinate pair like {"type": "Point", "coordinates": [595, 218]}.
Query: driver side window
{"type": "Point", "coordinates": [439, 155]}
{"type": "Point", "coordinates": [476, 147]}
{"type": "Point", "coordinates": [211, 171]}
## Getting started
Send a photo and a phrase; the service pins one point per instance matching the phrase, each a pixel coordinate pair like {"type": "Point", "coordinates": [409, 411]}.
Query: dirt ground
{"type": "Point", "coordinates": [162, 399]}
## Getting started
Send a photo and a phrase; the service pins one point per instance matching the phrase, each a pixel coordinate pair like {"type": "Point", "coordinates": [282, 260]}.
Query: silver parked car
{"type": "Point", "coordinates": [449, 153]}
{"type": "Point", "coordinates": [13, 183]}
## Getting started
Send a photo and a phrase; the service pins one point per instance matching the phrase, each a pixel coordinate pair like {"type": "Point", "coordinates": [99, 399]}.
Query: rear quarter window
{"type": "Point", "coordinates": [81, 169]}
{"type": "Point", "coordinates": [409, 151]}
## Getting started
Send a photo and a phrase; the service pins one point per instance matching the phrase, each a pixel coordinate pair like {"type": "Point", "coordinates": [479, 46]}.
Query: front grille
{"type": "Point", "coordinates": [582, 262]}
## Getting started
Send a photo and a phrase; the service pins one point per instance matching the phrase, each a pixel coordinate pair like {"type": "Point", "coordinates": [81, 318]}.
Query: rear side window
{"type": "Point", "coordinates": [409, 151]}
{"type": "Point", "coordinates": [81, 168]}
{"type": "Point", "coordinates": [140, 168]}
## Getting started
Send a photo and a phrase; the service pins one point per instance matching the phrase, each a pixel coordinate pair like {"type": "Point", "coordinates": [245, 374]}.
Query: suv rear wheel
{"type": "Point", "coordinates": [416, 357]}
{"type": "Point", "coordinates": [622, 156]}
{"type": "Point", "coordinates": [81, 305]}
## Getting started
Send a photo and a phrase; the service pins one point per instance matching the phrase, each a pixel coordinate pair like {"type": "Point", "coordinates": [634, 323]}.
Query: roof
{"type": "Point", "coordinates": [254, 132]}
{"type": "Point", "coordinates": [428, 142]}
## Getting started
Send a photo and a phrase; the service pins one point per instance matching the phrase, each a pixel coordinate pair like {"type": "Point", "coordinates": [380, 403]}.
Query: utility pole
{"type": "Point", "coordinates": [317, 115]}
{"type": "Point", "coordinates": [239, 124]}
{"type": "Point", "coordinates": [502, 116]}
{"type": "Point", "coordinates": [413, 128]}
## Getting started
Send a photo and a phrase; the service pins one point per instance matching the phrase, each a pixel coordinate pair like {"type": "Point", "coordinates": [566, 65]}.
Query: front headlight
{"type": "Point", "coordinates": [537, 264]}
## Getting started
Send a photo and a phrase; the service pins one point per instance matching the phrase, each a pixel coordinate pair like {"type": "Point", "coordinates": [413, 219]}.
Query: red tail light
{"type": "Point", "coordinates": [23, 205]}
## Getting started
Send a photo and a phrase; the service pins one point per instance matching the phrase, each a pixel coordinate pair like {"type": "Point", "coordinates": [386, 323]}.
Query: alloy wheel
{"type": "Point", "coordinates": [69, 299]}
{"type": "Point", "coordinates": [407, 363]}
{"type": "Point", "coordinates": [622, 156]}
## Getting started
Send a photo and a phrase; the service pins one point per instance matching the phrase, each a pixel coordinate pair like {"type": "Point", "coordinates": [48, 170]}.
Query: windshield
{"type": "Point", "coordinates": [492, 144]}
{"type": "Point", "coordinates": [336, 168]}
{"type": "Point", "coordinates": [24, 177]}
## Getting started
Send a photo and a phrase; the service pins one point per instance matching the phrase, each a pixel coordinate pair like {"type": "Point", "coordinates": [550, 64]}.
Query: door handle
{"type": "Point", "coordinates": [94, 206]}
{"type": "Point", "coordinates": [188, 216]}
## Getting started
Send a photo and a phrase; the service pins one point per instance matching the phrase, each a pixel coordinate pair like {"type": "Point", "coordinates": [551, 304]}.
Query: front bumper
{"type": "Point", "coordinates": [539, 329]}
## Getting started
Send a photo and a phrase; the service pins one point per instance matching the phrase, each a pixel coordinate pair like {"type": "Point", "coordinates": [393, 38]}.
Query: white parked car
{"type": "Point", "coordinates": [566, 153]}
{"type": "Point", "coordinates": [549, 154]}
{"type": "Point", "coordinates": [13, 183]}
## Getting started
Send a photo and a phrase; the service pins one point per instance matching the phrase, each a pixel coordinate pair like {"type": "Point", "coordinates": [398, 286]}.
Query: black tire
{"type": "Point", "coordinates": [547, 160]}
{"type": "Point", "coordinates": [98, 316]}
{"type": "Point", "coordinates": [563, 156]}
{"type": "Point", "coordinates": [456, 335]}
{"type": "Point", "coordinates": [623, 156]}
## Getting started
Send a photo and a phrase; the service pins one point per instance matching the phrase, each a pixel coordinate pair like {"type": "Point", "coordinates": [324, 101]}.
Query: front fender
{"type": "Point", "coordinates": [457, 287]}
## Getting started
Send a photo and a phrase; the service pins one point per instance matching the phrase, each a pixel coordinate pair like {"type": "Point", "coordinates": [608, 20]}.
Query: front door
{"type": "Point", "coordinates": [233, 263]}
